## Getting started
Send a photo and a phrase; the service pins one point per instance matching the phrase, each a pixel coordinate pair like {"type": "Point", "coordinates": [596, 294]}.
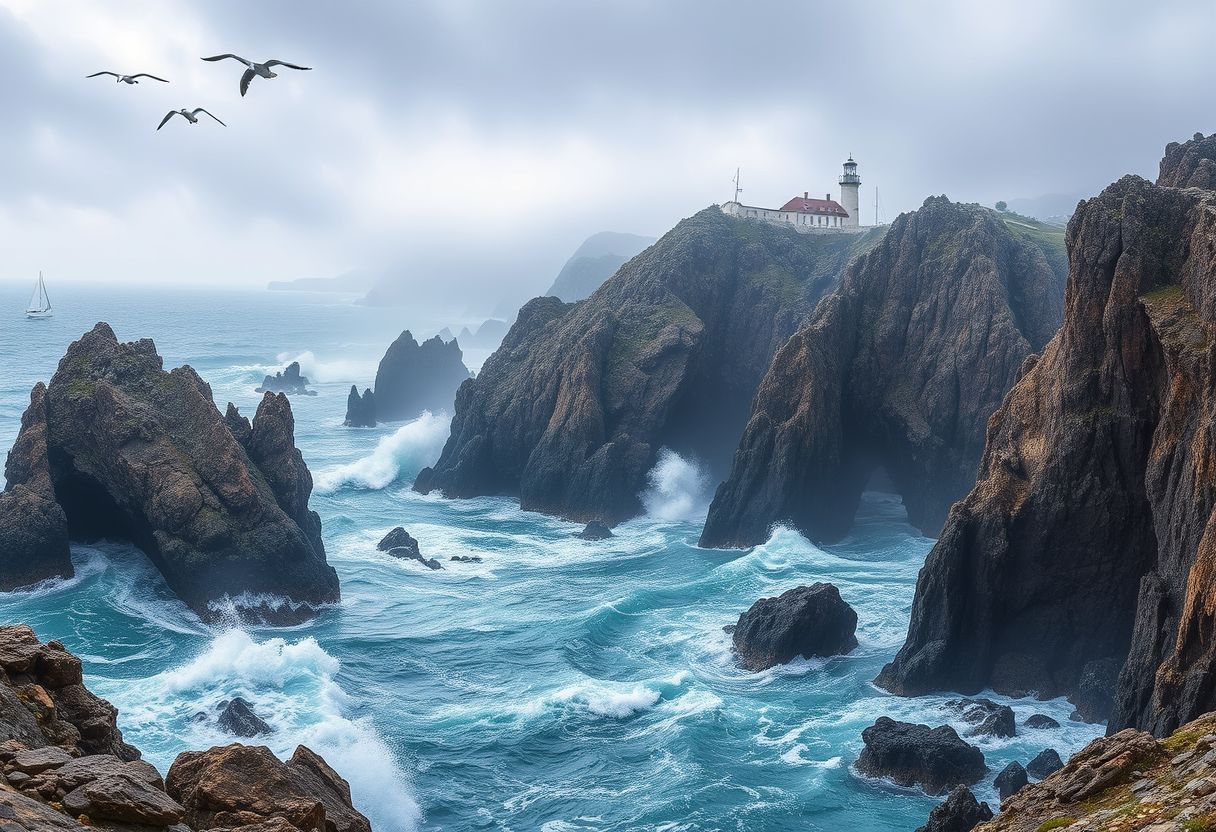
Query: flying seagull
{"type": "Point", "coordinates": [190, 116]}
{"type": "Point", "coordinates": [255, 68]}
{"type": "Point", "coordinates": [127, 79]}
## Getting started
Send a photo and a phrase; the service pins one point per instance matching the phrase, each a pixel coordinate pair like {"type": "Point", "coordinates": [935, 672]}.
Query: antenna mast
{"type": "Point", "coordinates": [738, 189]}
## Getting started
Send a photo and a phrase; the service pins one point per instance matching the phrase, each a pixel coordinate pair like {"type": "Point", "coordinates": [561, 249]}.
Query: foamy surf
{"type": "Point", "coordinates": [292, 686]}
{"type": "Point", "coordinates": [678, 489]}
{"type": "Point", "coordinates": [401, 454]}
{"type": "Point", "coordinates": [334, 370]}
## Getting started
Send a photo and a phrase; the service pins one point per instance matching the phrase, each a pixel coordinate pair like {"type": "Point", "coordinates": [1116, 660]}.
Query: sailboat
{"type": "Point", "coordinates": [40, 303]}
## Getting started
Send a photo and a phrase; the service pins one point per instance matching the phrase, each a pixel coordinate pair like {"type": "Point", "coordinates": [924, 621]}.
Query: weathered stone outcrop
{"type": "Point", "coordinates": [1011, 780]}
{"type": "Point", "coordinates": [414, 377]}
{"type": "Point", "coordinates": [236, 785]}
{"type": "Point", "coordinates": [1127, 781]}
{"type": "Point", "coordinates": [1046, 763]}
{"type": "Point", "coordinates": [805, 621]}
{"type": "Point", "coordinates": [595, 530]}
{"type": "Point", "coordinates": [360, 410]}
{"type": "Point", "coordinates": [288, 381]}
{"type": "Point", "coordinates": [33, 527]}
{"type": "Point", "coordinates": [135, 453]}
{"type": "Point", "coordinates": [571, 411]}
{"type": "Point", "coordinates": [899, 369]}
{"type": "Point", "coordinates": [960, 812]}
{"type": "Point", "coordinates": [401, 544]}
{"type": "Point", "coordinates": [64, 766]}
{"type": "Point", "coordinates": [936, 759]}
{"type": "Point", "coordinates": [1086, 544]}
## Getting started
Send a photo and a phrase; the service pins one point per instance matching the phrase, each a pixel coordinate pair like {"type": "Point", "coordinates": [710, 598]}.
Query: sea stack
{"type": "Point", "coordinates": [360, 410]}
{"type": "Point", "coordinates": [414, 377]}
{"type": "Point", "coordinates": [134, 453]}
{"type": "Point", "coordinates": [288, 381]}
{"type": "Point", "coordinates": [1082, 562]}
{"type": "Point", "coordinates": [898, 370]}
{"type": "Point", "coordinates": [571, 411]}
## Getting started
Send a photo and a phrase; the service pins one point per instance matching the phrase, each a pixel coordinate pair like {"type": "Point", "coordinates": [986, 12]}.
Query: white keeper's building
{"type": "Point", "coordinates": [808, 214]}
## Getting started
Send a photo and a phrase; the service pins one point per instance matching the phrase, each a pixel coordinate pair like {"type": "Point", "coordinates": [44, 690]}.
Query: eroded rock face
{"type": "Point", "coordinates": [806, 621]}
{"type": "Point", "coordinates": [988, 718]}
{"type": "Point", "coordinates": [33, 527]}
{"type": "Point", "coordinates": [238, 719]}
{"type": "Point", "coordinates": [1011, 780]}
{"type": "Point", "coordinates": [134, 453]}
{"type": "Point", "coordinates": [288, 381]}
{"type": "Point", "coordinates": [360, 410]}
{"type": "Point", "coordinates": [595, 530]}
{"type": "Point", "coordinates": [960, 812]}
{"type": "Point", "coordinates": [45, 705]}
{"type": "Point", "coordinates": [899, 369]}
{"type": "Point", "coordinates": [936, 759]}
{"type": "Point", "coordinates": [414, 377]}
{"type": "Point", "coordinates": [239, 785]}
{"type": "Point", "coordinates": [571, 411]}
{"type": "Point", "coordinates": [1085, 544]}
{"type": "Point", "coordinates": [1046, 763]}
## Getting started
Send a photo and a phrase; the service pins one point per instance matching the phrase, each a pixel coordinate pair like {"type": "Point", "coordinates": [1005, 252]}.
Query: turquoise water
{"type": "Point", "coordinates": [558, 685]}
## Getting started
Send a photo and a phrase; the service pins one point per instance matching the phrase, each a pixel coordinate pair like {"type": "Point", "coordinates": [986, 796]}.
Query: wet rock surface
{"type": "Point", "coordinates": [1011, 780]}
{"type": "Point", "coordinates": [988, 718]}
{"type": "Point", "coordinates": [806, 621]}
{"type": "Point", "coordinates": [414, 377]}
{"type": "Point", "coordinates": [1040, 722]}
{"type": "Point", "coordinates": [595, 530]}
{"type": "Point", "coordinates": [238, 719]}
{"type": "Point", "coordinates": [892, 372]}
{"type": "Point", "coordinates": [960, 812]}
{"type": "Point", "coordinates": [134, 453]}
{"type": "Point", "coordinates": [1046, 763]}
{"type": "Point", "coordinates": [571, 411]}
{"type": "Point", "coordinates": [1082, 562]}
{"type": "Point", "coordinates": [935, 759]}
{"type": "Point", "coordinates": [360, 409]}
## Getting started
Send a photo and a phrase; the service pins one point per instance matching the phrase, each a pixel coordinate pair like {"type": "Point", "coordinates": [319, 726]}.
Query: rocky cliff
{"type": "Point", "coordinates": [414, 377]}
{"type": "Point", "coordinates": [899, 369]}
{"type": "Point", "coordinates": [64, 766]}
{"type": "Point", "coordinates": [593, 262]}
{"type": "Point", "coordinates": [1083, 554]}
{"type": "Point", "coordinates": [571, 411]}
{"type": "Point", "coordinates": [116, 447]}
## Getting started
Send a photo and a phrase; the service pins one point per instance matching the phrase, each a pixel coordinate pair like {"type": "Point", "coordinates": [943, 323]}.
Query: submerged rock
{"type": "Point", "coordinates": [466, 558]}
{"type": "Point", "coordinates": [1046, 763]}
{"type": "Point", "coordinates": [571, 411]}
{"type": "Point", "coordinates": [414, 377]}
{"type": "Point", "coordinates": [892, 373]}
{"type": "Point", "coordinates": [1040, 722]}
{"type": "Point", "coordinates": [135, 453]}
{"type": "Point", "coordinates": [238, 718]}
{"type": "Point", "coordinates": [288, 381]}
{"type": "Point", "coordinates": [595, 530]}
{"type": "Point", "coordinates": [1086, 545]}
{"type": "Point", "coordinates": [960, 812]}
{"type": "Point", "coordinates": [1011, 780]}
{"type": "Point", "coordinates": [398, 538]}
{"type": "Point", "coordinates": [989, 718]}
{"type": "Point", "coordinates": [936, 759]}
{"type": "Point", "coordinates": [238, 785]}
{"type": "Point", "coordinates": [360, 410]}
{"type": "Point", "coordinates": [805, 621]}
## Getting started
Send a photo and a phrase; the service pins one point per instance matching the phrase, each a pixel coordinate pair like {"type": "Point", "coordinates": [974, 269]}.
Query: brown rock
{"type": "Point", "coordinates": [128, 799]}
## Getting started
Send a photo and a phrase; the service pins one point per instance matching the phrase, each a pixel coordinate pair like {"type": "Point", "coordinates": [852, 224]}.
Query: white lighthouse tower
{"type": "Point", "coordinates": [850, 184]}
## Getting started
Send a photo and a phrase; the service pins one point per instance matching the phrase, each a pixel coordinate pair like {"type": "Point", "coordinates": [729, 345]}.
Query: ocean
{"type": "Point", "coordinates": [557, 685]}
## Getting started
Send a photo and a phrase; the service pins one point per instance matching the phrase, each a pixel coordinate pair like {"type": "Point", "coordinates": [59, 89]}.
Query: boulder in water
{"type": "Point", "coordinates": [288, 381]}
{"type": "Point", "coordinates": [238, 718]}
{"type": "Point", "coordinates": [960, 812]}
{"type": "Point", "coordinates": [1045, 764]}
{"type": "Point", "coordinates": [398, 538]}
{"type": "Point", "coordinates": [805, 621]}
{"type": "Point", "coordinates": [360, 410]}
{"type": "Point", "coordinates": [989, 718]}
{"type": "Point", "coordinates": [595, 530]}
{"type": "Point", "coordinates": [1040, 722]}
{"type": "Point", "coordinates": [936, 759]}
{"type": "Point", "coordinates": [1011, 780]}
{"type": "Point", "coordinates": [414, 377]}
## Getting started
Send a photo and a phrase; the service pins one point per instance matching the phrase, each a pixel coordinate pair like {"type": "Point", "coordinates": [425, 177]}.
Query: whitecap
{"type": "Point", "coordinates": [678, 489]}
{"type": "Point", "coordinates": [404, 453]}
{"type": "Point", "coordinates": [325, 372]}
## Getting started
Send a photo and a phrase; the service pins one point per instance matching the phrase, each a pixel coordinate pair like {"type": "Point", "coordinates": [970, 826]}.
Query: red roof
{"type": "Point", "coordinates": [814, 206]}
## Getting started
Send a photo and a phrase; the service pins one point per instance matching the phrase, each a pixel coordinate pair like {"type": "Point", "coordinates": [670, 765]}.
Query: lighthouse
{"type": "Point", "coordinates": [850, 184]}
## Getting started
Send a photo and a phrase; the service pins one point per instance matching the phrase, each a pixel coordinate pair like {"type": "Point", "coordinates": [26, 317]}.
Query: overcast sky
{"type": "Point", "coordinates": [474, 144]}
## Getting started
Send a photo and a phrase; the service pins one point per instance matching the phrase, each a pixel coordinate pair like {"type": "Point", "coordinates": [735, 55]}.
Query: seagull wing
{"type": "Point", "coordinates": [198, 110]}
{"type": "Point", "coordinates": [229, 55]}
{"type": "Point", "coordinates": [107, 72]}
{"type": "Point", "coordinates": [248, 76]}
{"type": "Point", "coordinates": [146, 75]}
{"type": "Point", "coordinates": [284, 63]}
{"type": "Point", "coordinates": [168, 116]}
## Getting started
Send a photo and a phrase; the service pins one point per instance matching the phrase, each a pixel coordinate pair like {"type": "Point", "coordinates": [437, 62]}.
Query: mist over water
{"type": "Point", "coordinates": [559, 684]}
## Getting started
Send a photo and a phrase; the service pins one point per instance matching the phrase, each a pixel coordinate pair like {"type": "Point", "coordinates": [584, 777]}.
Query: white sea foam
{"type": "Point", "coordinates": [404, 453]}
{"type": "Point", "coordinates": [324, 372]}
{"type": "Point", "coordinates": [678, 488]}
{"type": "Point", "coordinates": [292, 686]}
{"type": "Point", "coordinates": [611, 701]}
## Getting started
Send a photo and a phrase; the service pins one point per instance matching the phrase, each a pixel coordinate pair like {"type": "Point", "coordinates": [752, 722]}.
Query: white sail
{"type": "Point", "coordinates": [40, 303]}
